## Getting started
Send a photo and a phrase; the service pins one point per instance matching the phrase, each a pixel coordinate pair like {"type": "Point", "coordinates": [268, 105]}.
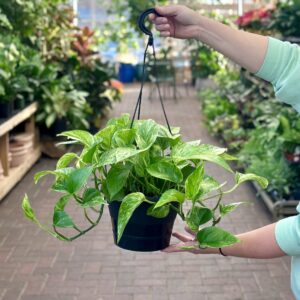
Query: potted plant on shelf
{"type": "Point", "coordinates": [146, 175]}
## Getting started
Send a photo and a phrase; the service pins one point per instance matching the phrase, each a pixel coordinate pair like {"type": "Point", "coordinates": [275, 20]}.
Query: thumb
{"type": "Point", "coordinates": [167, 11]}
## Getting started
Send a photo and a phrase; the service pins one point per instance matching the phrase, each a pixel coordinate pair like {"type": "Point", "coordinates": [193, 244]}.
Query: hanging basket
{"type": "Point", "coordinates": [143, 233]}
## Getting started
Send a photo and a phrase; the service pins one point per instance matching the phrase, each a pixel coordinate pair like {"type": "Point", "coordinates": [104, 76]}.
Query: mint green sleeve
{"type": "Point", "coordinates": [281, 67]}
{"type": "Point", "coordinates": [287, 234]}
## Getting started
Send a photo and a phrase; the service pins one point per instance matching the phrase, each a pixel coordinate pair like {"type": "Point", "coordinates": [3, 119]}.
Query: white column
{"type": "Point", "coordinates": [240, 7]}
{"type": "Point", "coordinates": [75, 9]}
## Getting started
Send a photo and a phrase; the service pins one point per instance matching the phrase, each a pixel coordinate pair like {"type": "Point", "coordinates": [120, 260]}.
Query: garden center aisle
{"type": "Point", "coordinates": [35, 266]}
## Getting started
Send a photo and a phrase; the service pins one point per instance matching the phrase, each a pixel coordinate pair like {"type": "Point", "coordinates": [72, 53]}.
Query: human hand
{"type": "Point", "coordinates": [177, 21]}
{"type": "Point", "coordinates": [188, 244]}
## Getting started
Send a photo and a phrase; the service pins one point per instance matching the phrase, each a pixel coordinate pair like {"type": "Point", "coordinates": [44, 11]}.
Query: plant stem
{"type": "Point", "coordinates": [163, 187]}
{"type": "Point", "coordinates": [219, 200]}
{"type": "Point", "coordinates": [216, 221]}
{"type": "Point", "coordinates": [211, 197]}
{"type": "Point", "coordinates": [84, 231]}
{"type": "Point", "coordinates": [180, 213]}
{"type": "Point", "coordinates": [87, 217]}
{"type": "Point", "coordinates": [96, 180]}
{"type": "Point", "coordinates": [77, 198]}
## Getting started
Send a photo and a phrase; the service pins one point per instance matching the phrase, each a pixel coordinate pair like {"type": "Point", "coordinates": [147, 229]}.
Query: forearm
{"type": "Point", "coordinates": [244, 48]}
{"type": "Point", "coordinates": [259, 243]}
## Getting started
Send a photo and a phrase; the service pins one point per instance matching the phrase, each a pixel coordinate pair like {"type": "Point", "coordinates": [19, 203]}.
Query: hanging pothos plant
{"type": "Point", "coordinates": [134, 164]}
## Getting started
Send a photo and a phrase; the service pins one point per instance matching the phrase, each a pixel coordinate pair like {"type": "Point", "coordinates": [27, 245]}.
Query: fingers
{"type": "Point", "coordinates": [183, 237]}
{"type": "Point", "coordinates": [160, 20]}
{"type": "Point", "coordinates": [152, 17]}
{"type": "Point", "coordinates": [167, 11]}
{"type": "Point", "coordinates": [165, 33]}
{"type": "Point", "coordinates": [188, 230]}
{"type": "Point", "coordinates": [172, 249]}
{"type": "Point", "coordinates": [163, 27]}
{"type": "Point", "coordinates": [190, 247]}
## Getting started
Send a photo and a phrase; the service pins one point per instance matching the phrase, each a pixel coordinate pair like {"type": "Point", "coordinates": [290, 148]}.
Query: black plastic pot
{"type": "Point", "coordinates": [6, 109]}
{"type": "Point", "coordinates": [296, 193]}
{"type": "Point", "coordinates": [59, 126]}
{"type": "Point", "coordinates": [143, 233]}
{"type": "Point", "coordinates": [19, 104]}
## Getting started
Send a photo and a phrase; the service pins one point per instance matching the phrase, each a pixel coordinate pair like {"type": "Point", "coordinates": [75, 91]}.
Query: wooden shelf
{"type": "Point", "coordinates": [13, 175]}
{"type": "Point", "coordinates": [17, 173]}
{"type": "Point", "coordinates": [280, 208]}
{"type": "Point", "coordinates": [18, 118]}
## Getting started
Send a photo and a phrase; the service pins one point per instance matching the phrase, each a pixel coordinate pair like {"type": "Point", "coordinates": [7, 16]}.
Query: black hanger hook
{"type": "Point", "coordinates": [142, 18]}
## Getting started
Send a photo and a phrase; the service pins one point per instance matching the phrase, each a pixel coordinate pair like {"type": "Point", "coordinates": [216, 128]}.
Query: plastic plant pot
{"type": "Point", "coordinates": [19, 104]}
{"type": "Point", "coordinates": [6, 109]}
{"type": "Point", "coordinates": [143, 233]}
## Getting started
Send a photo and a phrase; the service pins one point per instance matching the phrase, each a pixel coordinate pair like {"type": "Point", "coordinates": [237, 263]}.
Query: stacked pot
{"type": "Point", "coordinates": [1, 171]}
{"type": "Point", "coordinates": [20, 147]}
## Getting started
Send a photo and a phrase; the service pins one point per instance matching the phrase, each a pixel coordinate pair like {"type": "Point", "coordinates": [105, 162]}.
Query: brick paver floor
{"type": "Point", "coordinates": [35, 266]}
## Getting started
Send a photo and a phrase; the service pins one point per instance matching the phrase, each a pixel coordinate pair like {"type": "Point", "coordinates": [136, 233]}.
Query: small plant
{"type": "Point", "coordinates": [204, 61]}
{"type": "Point", "coordinates": [286, 18]}
{"type": "Point", "coordinates": [142, 164]}
{"type": "Point", "coordinates": [256, 20]}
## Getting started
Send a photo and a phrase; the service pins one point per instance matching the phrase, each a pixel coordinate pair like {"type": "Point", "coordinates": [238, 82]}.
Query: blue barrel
{"type": "Point", "coordinates": [126, 73]}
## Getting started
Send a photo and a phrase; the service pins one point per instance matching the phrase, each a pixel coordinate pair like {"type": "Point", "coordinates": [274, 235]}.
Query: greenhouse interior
{"type": "Point", "coordinates": [149, 150]}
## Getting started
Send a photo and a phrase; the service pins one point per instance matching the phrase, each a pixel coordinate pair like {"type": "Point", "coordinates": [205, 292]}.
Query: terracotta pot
{"type": "Point", "coordinates": [17, 147]}
{"type": "Point", "coordinates": [18, 158]}
{"type": "Point", "coordinates": [1, 171]}
{"type": "Point", "coordinates": [25, 137]}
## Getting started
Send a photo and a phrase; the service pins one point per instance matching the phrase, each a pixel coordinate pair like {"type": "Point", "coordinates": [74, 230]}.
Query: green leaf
{"type": "Point", "coordinates": [160, 212]}
{"type": "Point", "coordinates": [121, 122]}
{"type": "Point", "coordinates": [240, 178]}
{"type": "Point", "coordinates": [146, 134]}
{"type": "Point", "coordinates": [123, 138]}
{"type": "Point", "coordinates": [50, 120]}
{"type": "Point", "coordinates": [186, 170]}
{"type": "Point", "coordinates": [215, 237]}
{"type": "Point", "coordinates": [140, 163]}
{"type": "Point", "coordinates": [116, 179]}
{"type": "Point", "coordinates": [129, 204]}
{"type": "Point", "coordinates": [62, 219]}
{"type": "Point", "coordinates": [218, 160]}
{"type": "Point", "coordinates": [185, 151]}
{"type": "Point", "coordinates": [81, 136]}
{"type": "Point", "coordinates": [57, 173]}
{"type": "Point", "coordinates": [106, 135]}
{"type": "Point", "coordinates": [41, 174]}
{"type": "Point", "coordinates": [117, 155]}
{"type": "Point", "coordinates": [92, 197]}
{"type": "Point", "coordinates": [65, 160]}
{"type": "Point", "coordinates": [170, 196]}
{"type": "Point", "coordinates": [88, 154]}
{"type": "Point", "coordinates": [27, 210]}
{"type": "Point", "coordinates": [163, 132]}
{"type": "Point", "coordinates": [29, 214]}
{"type": "Point", "coordinates": [227, 208]}
{"type": "Point", "coordinates": [75, 181]}
{"type": "Point", "coordinates": [208, 185]}
{"type": "Point", "coordinates": [227, 156]}
{"type": "Point", "coordinates": [193, 183]}
{"type": "Point", "coordinates": [198, 216]}
{"type": "Point", "coordinates": [165, 170]}
{"type": "Point", "coordinates": [195, 143]}
{"type": "Point", "coordinates": [62, 202]}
